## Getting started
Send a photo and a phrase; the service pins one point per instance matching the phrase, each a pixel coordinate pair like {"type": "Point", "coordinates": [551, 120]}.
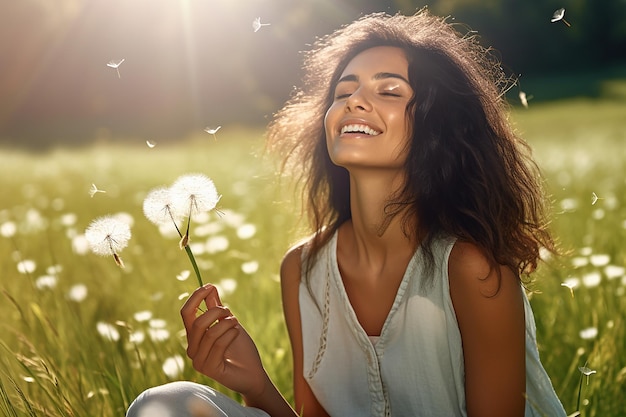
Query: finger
{"type": "Point", "coordinates": [189, 309]}
{"type": "Point", "coordinates": [217, 359]}
{"type": "Point", "coordinates": [201, 325]}
{"type": "Point", "coordinates": [213, 299]}
{"type": "Point", "coordinates": [206, 356]}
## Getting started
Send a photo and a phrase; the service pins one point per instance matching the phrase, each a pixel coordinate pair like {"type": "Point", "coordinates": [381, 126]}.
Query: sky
{"type": "Point", "coordinates": [188, 64]}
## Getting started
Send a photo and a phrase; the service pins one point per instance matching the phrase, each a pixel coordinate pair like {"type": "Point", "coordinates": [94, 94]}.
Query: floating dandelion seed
{"type": "Point", "coordinates": [115, 63]}
{"type": "Point", "coordinates": [586, 372]}
{"type": "Point", "coordinates": [559, 15]}
{"type": "Point", "coordinates": [524, 98]}
{"type": "Point", "coordinates": [256, 24]}
{"type": "Point", "coordinates": [107, 236]}
{"type": "Point", "coordinates": [212, 131]}
{"type": "Point", "coordinates": [150, 144]}
{"type": "Point", "coordinates": [594, 198]}
{"type": "Point", "coordinates": [571, 283]}
{"type": "Point", "coordinates": [94, 190]}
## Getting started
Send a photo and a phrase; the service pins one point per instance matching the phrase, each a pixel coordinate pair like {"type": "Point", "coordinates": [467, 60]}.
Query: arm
{"type": "Point", "coordinates": [306, 403]}
{"type": "Point", "coordinates": [490, 312]}
{"type": "Point", "coordinates": [221, 349]}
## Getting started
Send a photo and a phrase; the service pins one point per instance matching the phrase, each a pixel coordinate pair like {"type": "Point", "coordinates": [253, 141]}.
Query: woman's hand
{"type": "Point", "coordinates": [219, 347]}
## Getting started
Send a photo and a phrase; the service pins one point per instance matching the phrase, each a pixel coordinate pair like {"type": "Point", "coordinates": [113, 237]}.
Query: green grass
{"type": "Point", "coordinates": [54, 362]}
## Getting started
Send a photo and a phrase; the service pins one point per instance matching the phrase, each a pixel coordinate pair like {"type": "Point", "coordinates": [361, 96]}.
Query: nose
{"type": "Point", "coordinates": [358, 102]}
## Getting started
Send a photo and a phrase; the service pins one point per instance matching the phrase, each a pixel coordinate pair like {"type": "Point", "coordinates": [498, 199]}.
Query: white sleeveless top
{"type": "Point", "coordinates": [351, 376]}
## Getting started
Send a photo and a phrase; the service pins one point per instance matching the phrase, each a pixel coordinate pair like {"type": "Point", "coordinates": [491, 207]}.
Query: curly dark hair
{"type": "Point", "coordinates": [468, 174]}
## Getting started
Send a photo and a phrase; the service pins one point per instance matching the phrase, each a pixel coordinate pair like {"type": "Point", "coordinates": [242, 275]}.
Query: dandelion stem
{"type": "Point", "coordinates": [194, 264]}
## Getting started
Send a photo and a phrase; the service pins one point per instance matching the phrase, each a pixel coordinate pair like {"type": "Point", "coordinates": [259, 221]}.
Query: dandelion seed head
{"type": "Point", "coordinates": [157, 323]}
{"type": "Point", "coordinates": [598, 214]}
{"type": "Point", "coordinates": [592, 279]}
{"type": "Point", "coordinates": [158, 207]}
{"type": "Point", "coordinates": [77, 293]}
{"type": "Point", "coordinates": [580, 261]}
{"type": "Point", "coordinates": [27, 266]}
{"type": "Point", "coordinates": [46, 282]}
{"type": "Point", "coordinates": [80, 246]}
{"type": "Point", "coordinates": [614, 271]}
{"type": "Point", "coordinates": [599, 259]}
{"type": "Point", "coordinates": [588, 333]}
{"type": "Point", "coordinates": [228, 285]}
{"type": "Point", "coordinates": [69, 219]}
{"type": "Point", "coordinates": [54, 269]}
{"type": "Point", "coordinates": [137, 337]}
{"type": "Point", "coordinates": [107, 235]}
{"type": "Point", "coordinates": [198, 248]}
{"type": "Point", "coordinates": [250, 267]}
{"type": "Point", "coordinates": [158, 335]}
{"type": "Point", "coordinates": [216, 244]}
{"type": "Point", "coordinates": [173, 366]}
{"type": "Point", "coordinates": [8, 229]}
{"type": "Point", "coordinates": [143, 315]}
{"type": "Point", "coordinates": [569, 204]}
{"type": "Point", "coordinates": [108, 331]}
{"type": "Point", "coordinates": [586, 251]}
{"type": "Point", "coordinates": [194, 193]}
{"type": "Point", "coordinates": [246, 231]}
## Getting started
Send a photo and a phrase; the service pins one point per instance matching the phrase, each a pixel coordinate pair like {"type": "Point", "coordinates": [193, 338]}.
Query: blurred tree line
{"type": "Point", "coordinates": [192, 64]}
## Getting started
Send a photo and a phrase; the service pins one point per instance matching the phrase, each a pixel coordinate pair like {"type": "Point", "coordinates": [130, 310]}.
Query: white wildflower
{"type": "Point", "coordinates": [173, 366]}
{"type": "Point", "coordinates": [78, 293]}
{"type": "Point", "coordinates": [108, 331]}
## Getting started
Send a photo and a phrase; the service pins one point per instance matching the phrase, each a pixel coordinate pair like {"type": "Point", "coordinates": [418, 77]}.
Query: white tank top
{"type": "Point", "coordinates": [351, 376]}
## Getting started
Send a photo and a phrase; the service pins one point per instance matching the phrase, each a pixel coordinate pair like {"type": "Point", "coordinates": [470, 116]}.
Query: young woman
{"type": "Point", "coordinates": [427, 214]}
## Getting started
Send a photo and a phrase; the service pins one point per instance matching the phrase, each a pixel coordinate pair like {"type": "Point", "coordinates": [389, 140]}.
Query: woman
{"type": "Point", "coordinates": [428, 215]}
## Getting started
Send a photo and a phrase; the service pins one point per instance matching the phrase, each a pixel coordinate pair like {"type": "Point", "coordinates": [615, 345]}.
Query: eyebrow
{"type": "Point", "coordinates": [377, 76]}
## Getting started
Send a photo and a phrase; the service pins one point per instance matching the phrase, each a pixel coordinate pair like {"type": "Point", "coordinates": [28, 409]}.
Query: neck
{"type": "Point", "coordinates": [371, 229]}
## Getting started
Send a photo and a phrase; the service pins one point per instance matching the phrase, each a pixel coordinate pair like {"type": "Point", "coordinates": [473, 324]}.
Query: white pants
{"type": "Point", "coordinates": [188, 399]}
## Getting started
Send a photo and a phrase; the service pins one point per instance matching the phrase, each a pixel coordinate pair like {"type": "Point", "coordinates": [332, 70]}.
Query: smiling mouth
{"type": "Point", "coordinates": [357, 128]}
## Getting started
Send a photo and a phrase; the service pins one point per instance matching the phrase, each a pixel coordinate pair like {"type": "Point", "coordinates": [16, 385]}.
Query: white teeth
{"type": "Point", "coordinates": [359, 129]}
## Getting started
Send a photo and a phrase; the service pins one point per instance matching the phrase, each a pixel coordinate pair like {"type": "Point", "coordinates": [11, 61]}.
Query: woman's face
{"type": "Point", "coordinates": [366, 126]}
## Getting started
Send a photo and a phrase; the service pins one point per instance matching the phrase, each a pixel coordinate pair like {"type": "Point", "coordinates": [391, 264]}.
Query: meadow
{"type": "Point", "coordinates": [80, 336]}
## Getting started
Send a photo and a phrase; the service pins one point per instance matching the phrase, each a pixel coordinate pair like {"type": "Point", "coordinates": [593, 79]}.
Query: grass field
{"type": "Point", "coordinates": [81, 337]}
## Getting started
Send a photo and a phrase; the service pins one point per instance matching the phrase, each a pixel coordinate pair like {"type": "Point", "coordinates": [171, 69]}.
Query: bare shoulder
{"type": "Point", "coordinates": [291, 265]}
{"type": "Point", "coordinates": [469, 269]}
{"type": "Point", "coordinates": [489, 307]}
